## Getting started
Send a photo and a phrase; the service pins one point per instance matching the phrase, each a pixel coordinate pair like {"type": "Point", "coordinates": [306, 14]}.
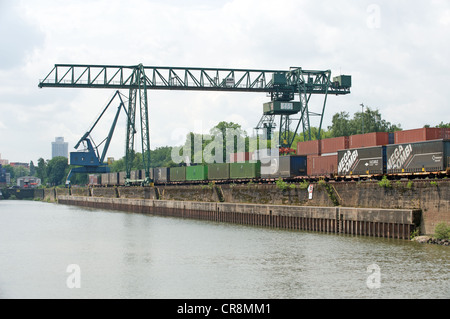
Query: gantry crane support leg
{"type": "Point", "coordinates": [145, 130]}
{"type": "Point", "coordinates": [129, 146]}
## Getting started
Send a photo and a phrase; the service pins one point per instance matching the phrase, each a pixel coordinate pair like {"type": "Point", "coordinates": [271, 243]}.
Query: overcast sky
{"type": "Point", "coordinates": [397, 52]}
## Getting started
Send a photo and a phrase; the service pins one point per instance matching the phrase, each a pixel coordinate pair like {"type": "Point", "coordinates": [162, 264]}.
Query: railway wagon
{"type": "Point", "coordinates": [219, 171]}
{"type": "Point", "coordinates": [284, 166]}
{"type": "Point", "coordinates": [135, 175]}
{"type": "Point", "coordinates": [197, 173]}
{"type": "Point", "coordinates": [142, 173]}
{"type": "Point", "coordinates": [161, 174]}
{"type": "Point", "coordinates": [426, 156]}
{"type": "Point", "coordinates": [322, 165]}
{"type": "Point", "coordinates": [178, 174]}
{"type": "Point", "coordinates": [104, 179]}
{"type": "Point", "coordinates": [113, 179]}
{"type": "Point", "coordinates": [122, 178]}
{"type": "Point", "coordinates": [362, 161]}
{"type": "Point", "coordinates": [245, 170]}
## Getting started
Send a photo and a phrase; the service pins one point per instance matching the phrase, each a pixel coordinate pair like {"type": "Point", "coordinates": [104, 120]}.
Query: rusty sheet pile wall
{"type": "Point", "coordinates": [389, 223]}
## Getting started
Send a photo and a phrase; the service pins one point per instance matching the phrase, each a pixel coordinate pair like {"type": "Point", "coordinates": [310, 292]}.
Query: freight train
{"type": "Point", "coordinates": [409, 159]}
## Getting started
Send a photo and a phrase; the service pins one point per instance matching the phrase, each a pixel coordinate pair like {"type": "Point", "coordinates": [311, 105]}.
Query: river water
{"type": "Point", "coordinates": [56, 251]}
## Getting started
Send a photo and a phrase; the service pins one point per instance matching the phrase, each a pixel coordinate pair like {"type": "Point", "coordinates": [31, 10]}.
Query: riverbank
{"type": "Point", "coordinates": [431, 197]}
{"type": "Point", "coordinates": [431, 240]}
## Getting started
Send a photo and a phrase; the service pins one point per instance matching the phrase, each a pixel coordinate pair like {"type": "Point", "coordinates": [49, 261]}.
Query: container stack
{"type": "Point", "coordinates": [421, 134]}
{"type": "Point", "coordinates": [370, 139]}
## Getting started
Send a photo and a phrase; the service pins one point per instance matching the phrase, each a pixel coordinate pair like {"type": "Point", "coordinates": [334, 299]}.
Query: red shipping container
{"type": "Point", "coordinates": [240, 157]}
{"type": "Point", "coordinates": [369, 139]}
{"type": "Point", "coordinates": [308, 148]}
{"type": "Point", "coordinates": [93, 179]}
{"type": "Point", "coordinates": [322, 165]}
{"type": "Point", "coordinates": [419, 135]}
{"type": "Point", "coordinates": [332, 145]}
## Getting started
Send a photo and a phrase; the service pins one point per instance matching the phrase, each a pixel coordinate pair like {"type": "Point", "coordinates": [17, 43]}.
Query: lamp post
{"type": "Point", "coordinates": [362, 117]}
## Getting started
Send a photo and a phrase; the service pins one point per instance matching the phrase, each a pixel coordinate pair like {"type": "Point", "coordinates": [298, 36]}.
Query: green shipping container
{"type": "Point", "coordinates": [178, 174]}
{"type": "Point", "coordinates": [197, 173]}
{"type": "Point", "coordinates": [219, 171]}
{"type": "Point", "coordinates": [245, 170]}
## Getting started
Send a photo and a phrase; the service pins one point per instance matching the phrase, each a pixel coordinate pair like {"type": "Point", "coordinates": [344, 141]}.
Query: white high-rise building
{"type": "Point", "coordinates": [60, 148]}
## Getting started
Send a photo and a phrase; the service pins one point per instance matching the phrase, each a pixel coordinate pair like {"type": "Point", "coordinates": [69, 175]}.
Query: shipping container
{"type": "Point", "coordinates": [420, 135]}
{"type": "Point", "coordinates": [284, 166]}
{"type": "Point", "coordinates": [93, 179]}
{"type": "Point", "coordinates": [362, 161]}
{"type": "Point", "coordinates": [370, 139]}
{"type": "Point", "coordinates": [105, 179]}
{"type": "Point", "coordinates": [245, 170]}
{"type": "Point", "coordinates": [309, 148]}
{"type": "Point", "coordinates": [219, 171]}
{"type": "Point", "coordinates": [161, 174]}
{"type": "Point", "coordinates": [322, 165]}
{"type": "Point", "coordinates": [332, 145]}
{"type": "Point", "coordinates": [197, 173]}
{"type": "Point", "coordinates": [427, 156]}
{"type": "Point", "coordinates": [240, 157]}
{"type": "Point", "coordinates": [135, 175]}
{"type": "Point", "coordinates": [142, 174]}
{"type": "Point", "coordinates": [446, 133]}
{"type": "Point", "coordinates": [122, 178]}
{"type": "Point", "coordinates": [113, 179]}
{"type": "Point", "coordinates": [177, 174]}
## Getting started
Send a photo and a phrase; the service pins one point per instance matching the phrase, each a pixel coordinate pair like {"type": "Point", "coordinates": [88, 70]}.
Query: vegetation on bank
{"type": "Point", "coordinates": [442, 231]}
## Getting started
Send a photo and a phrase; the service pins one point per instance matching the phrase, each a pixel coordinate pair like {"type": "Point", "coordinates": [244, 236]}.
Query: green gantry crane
{"type": "Point", "coordinates": [282, 86]}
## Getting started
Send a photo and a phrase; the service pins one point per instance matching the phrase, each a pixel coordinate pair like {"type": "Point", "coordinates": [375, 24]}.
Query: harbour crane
{"type": "Point", "coordinates": [283, 86]}
{"type": "Point", "coordinates": [89, 159]}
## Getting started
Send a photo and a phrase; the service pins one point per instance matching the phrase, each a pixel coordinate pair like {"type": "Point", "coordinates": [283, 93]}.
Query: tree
{"type": "Point", "coordinates": [41, 170]}
{"type": "Point", "coordinates": [340, 125]}
{"type": "Point", "coordinates": [57, 170]}
{"type": "Point", "coordinates": [362, 122]}
{"type": "Point", "coordinates": [442, 125]}
{"type": "Point", "coordinates": [32, 169]}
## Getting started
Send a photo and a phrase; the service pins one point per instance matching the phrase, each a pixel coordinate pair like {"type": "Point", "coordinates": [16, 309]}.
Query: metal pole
{"type": "Point", "coordinates": [362, 117]}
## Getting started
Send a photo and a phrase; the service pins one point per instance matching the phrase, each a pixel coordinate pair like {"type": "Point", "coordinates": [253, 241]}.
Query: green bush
{"type": "Point", "coordinates": [385, 182]}
{"type": "Point", "coordinates": [303, 185]}
{"type": "Point", "coordinates": [442, 231]}
{"type": "Point", "coordinates": [281, 184]}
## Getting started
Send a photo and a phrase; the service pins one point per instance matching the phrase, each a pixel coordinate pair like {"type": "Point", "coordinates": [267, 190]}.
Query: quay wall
{"type": "Point", "coordinates": [429, 196]}
{"type": "Point", "coordinates": [389, 223]}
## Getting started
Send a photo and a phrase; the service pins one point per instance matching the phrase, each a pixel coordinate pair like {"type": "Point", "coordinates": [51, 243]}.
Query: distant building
{"type": "Point", "coordinates": [17, 164]}
{"type": "Point", "coordinates": [3, 161]}
{"type": "Point", "coordinates": [60, 148]}
{"type": "Point", "coordinates": [28, 182]}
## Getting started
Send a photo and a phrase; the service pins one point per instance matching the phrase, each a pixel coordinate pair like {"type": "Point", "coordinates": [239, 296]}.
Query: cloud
{"type": "Point", "coordinates": [18, 36]}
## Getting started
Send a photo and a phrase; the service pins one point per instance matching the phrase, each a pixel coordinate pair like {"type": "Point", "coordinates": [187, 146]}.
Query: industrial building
{"type": "Point", "coordinates": [28, 182]}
